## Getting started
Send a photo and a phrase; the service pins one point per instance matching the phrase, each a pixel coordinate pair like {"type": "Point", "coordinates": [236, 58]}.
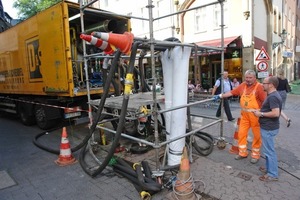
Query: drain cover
{"type": "Point", "coordinates": [244, 176]}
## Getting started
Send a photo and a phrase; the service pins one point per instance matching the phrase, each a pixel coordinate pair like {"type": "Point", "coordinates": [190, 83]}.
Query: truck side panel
{"type": "Point", "coordinates": [33, 55]}
{"type": "Point", "coordinates": [53, 50]}
{"type": "Point", "coordinates": [43, 76]}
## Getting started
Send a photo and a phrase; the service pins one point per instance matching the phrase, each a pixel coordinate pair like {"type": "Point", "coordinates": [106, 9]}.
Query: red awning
{"type": "Point", "coordinates": [217, 42]}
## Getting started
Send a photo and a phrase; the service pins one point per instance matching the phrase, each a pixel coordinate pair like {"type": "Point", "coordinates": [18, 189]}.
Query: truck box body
{"type": "Point", "coordinates": [41, 58]}
{"type": "Point", "coordinates": [35, 55]}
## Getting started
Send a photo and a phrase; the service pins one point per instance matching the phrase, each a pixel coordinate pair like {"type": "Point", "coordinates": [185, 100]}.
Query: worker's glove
{"type": "Point", "coordinates": [217, 97]}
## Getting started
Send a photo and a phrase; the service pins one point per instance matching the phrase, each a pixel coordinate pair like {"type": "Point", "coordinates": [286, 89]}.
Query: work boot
{"type": "Point", "coordinates": [253, 160]}
{"type": "Point", "coordinates": [238, 157]}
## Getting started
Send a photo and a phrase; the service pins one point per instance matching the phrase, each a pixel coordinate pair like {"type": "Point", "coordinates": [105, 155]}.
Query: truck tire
{"type": "Point", "coordinates": [41, 118]}
{"type": "Point", "coordinates": [26, 114]}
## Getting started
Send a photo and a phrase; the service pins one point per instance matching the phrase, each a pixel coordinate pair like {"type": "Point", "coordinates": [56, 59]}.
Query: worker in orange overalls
{"type": "Point", "coordinates": [252, 96]}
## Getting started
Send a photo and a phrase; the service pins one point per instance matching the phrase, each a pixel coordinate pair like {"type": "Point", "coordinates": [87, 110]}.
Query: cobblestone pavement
{"type": "Point", "coordinates": [226, 178]}
{"type": "Point", "coordinates": [33, 175]}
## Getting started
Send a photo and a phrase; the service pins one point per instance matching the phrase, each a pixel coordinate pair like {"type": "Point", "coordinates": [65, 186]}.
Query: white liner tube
{"type": "Point", "coordinates": [179, 59]}
{"type": "Point", "coordinates": [167, 64]}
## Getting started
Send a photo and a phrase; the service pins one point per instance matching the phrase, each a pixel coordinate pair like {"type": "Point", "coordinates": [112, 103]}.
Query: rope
{"type": "Point", "coordinates": [48, 105]}
{"type": "Point", "coordinates": [188, 185]}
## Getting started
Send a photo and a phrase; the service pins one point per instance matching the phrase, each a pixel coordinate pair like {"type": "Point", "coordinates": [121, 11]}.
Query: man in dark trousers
{"type": "Point", "coordinates": [217, 90]}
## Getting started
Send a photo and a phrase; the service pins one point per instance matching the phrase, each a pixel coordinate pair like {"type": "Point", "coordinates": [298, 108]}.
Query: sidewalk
{"type": "Point", "coordinates": [28, 172]}
{"type": "Point", "coordinates": [226, 178]}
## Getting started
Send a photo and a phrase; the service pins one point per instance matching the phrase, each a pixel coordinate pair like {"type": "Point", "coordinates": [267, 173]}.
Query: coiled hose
{"type": "Point", "coordinates": [99, 111]}
{"type": "Point", "coordinates": [121, 123]}
{"type": "Point", "coordinates": [208, 139]}
{"type": "Point", "coordinates": [136, 175]}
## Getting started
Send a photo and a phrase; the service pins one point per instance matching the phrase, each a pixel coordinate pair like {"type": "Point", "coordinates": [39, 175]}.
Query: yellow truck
{"type": "Point", "coordinates": [42, 74]}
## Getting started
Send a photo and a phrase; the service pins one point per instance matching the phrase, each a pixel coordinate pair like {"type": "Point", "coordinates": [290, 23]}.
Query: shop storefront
{"type": "Point", "coordinates": [209, 66]}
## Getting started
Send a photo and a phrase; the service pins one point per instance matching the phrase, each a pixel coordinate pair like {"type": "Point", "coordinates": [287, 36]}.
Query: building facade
{"type": "Point", "coordinates": [248, 26]}
{"type": "Point", "coordinates": [287, 56]}
{"type": "Point", "coordinates": [297, 41]}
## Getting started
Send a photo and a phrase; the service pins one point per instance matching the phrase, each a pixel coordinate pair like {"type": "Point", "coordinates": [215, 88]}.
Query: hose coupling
{"type": "Point", "coordinates": [128, 84]}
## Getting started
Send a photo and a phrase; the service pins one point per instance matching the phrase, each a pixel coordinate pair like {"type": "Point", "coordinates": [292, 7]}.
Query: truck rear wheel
{"type": "Point", "coordinates": [41, 118]}
{"type": "Point", "coordinates": [25, 114]}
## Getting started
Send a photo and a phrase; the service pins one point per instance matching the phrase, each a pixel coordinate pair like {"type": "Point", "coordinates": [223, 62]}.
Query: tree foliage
{"type": "Point", "coordinates": [28, 8]}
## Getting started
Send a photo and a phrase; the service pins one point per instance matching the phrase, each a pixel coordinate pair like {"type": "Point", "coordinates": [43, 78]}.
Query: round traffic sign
{"type": "Point", "coordinates": [262, 66]}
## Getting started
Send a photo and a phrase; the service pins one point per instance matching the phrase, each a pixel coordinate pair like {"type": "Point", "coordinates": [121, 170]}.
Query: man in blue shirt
{"type": "Point", "coordinates": [217, 90]}
{"type": "Point", "coordinates": [269, 127]}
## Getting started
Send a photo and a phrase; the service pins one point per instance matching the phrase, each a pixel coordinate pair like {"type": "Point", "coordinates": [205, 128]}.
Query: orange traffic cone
{"type": "Point", "coordinates": [235, 148]}
{"type": "Point", "coordinates": [103, 45]}
{"type": "Point", "coordinates": [184, 185]}
{"type": "Point", "coordinates": [121, 41]}
{"type": "Point", "coordinates": [65, 157]}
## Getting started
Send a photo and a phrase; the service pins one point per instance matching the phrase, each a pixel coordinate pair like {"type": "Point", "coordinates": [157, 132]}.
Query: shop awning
{"type": "Point", "coordinates": [217, 42]}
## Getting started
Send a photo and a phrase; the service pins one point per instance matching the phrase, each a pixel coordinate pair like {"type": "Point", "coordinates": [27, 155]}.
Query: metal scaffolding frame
{"type": "Point", "coordinates": [152, 44]}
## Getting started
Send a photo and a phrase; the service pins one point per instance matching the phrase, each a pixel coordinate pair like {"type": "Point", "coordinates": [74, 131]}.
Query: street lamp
{"type": "Point", "coordinates": [283, 38]}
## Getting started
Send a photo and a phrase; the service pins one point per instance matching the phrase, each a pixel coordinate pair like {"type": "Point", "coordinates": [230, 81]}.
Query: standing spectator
{"type": "Point", "coordinates": [235, 83]}
{"type": "Point", "coordinates": [191, 86]}
{"type": "Point", "coordinates": [217, 90]}
{"type": "Point", "coordinates": [269, 127]}
{"type": "Point", "coordinates": [252, 95]}
{"type": "Point", "coordinates": [283, 90]}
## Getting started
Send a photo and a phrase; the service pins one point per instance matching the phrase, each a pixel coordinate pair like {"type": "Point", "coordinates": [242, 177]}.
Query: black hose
{"type": "Point", "coordinates": [148, 186]}
{"type": "Point", "coordinates": [144, 86]}
{"type": "Point", "coordinates": [123, 114]}
{"type": "Point", "coordinates": [145, 195]}
{"type": "Point", "coordinates": [123, 162]}
{"type": "Point", "coordinates": [128, 176]}
{"type": "Point", "coordinates": [146, 168]}
{"type": "Point", "coordinates": [122, 165]}
{"type": "Point", "coordinates": [138, 178]}
{"type": "Point", "coordinates": [106, 90]}
{"type": "Point", "coordinates": [56, 151]}
{"type": "Point", "coordinates": [134, 182]}
{"type": "Point", "coordinates": [204, 134]}
{"type": "Point", "coordinates": [204, 151]}
{"type": "Point", "coordinates": [48, 149]}
{"type": "Point", "coordinates": [147, 87]}
{"type": "Point", "coordinates": [99, 116]}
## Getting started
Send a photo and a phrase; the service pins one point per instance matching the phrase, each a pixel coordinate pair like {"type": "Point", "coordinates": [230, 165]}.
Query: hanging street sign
{"type": "Point", "coordinates": [262, 66]}
{"type": "Point", "coordinates": [263, 55]}
{"type": "Point", "coordinates": [287, 54]}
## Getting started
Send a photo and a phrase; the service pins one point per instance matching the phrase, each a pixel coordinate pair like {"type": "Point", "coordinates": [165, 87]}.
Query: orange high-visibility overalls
{"type": "Point", "coordinates": [249, 103]}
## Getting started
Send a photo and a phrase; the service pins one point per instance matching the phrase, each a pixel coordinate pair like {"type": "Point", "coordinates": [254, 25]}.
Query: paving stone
{"type": "Point", "coordinates": [38, 177]}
